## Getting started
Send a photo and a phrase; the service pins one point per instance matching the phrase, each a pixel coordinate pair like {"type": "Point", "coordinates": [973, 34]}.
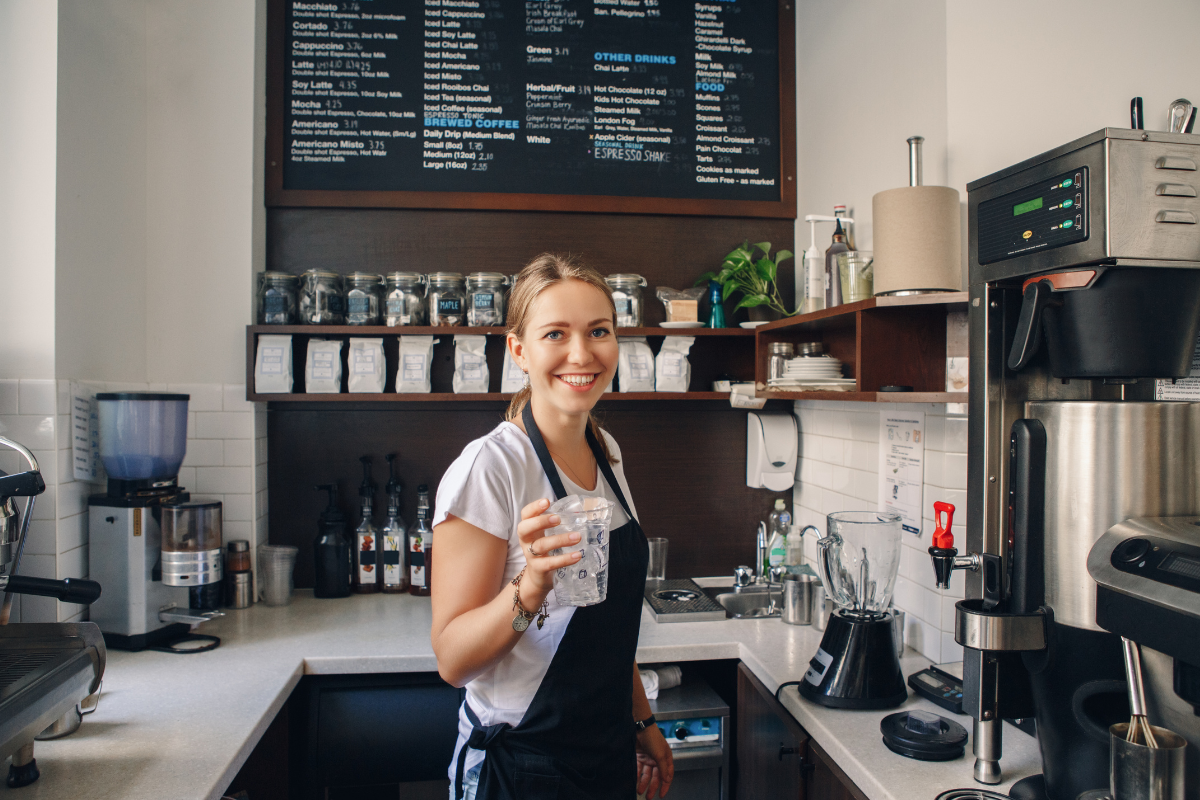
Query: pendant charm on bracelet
{"type": "Point", "coordinates": [521, 623]}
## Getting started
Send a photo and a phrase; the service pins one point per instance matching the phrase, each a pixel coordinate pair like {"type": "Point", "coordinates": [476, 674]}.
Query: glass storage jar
{"type": "Point", "coordinates": [446, 299]}
{"type": "Point", "coordinates": [486, 298]}
{"type": "Point", "coordinates": [321, 298]}
{"type": "Point", "coordinates": [404, 301]}
{"type": "Point", "coordinates": [364, 298]}
{"type": "Point", "coordinates": [627, 297]}
{"type": "Point", "coordinates": [278, 296]}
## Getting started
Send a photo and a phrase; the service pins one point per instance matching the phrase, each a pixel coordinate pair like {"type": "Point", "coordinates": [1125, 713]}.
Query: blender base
{"type": "Point", "coordinates": [856, 665]}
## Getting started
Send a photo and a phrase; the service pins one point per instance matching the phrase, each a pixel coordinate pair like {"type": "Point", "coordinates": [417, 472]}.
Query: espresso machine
{"type": "Point", "coordinates": [154, 584]}
{"type": "Point", "coordinates": [1084, 289]}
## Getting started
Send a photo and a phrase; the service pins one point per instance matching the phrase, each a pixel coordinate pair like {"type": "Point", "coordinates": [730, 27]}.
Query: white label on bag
{"type": "Point", "coordinates": [322, 365]}
{"type": "Point", "coordinates": [673, 365]}
{"type": "Point", "coordinates": [414, 367]}
{"type": "Point", "coordinates": [364, 362]}
{"type": "Point", "coordinates": [272, 360]}
{"type": "Point", "coordinates": [639, 366]}
{"type": "Point", "coordinates": [817, 667]}
{"type": "Point", "coordinates": [472, 367]}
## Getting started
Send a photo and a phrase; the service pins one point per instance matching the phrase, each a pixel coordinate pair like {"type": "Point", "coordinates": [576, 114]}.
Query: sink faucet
{"type": "Point", "coordinates": [760, 554]}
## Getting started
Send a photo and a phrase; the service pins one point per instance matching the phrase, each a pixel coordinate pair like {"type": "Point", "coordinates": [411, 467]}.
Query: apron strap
{"type": "Point", "coordinates": [481, 738]}
{"type": "Point", "coordinates": [543, 452]}
{"type": "Point", "coordinates": [607, 471]}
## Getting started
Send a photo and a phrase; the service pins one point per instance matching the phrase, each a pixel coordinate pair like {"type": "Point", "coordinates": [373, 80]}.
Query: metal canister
{"type": "Point", "coordinates": [799, 594]}
{"type": "Point", "coordinates": [239, 589]}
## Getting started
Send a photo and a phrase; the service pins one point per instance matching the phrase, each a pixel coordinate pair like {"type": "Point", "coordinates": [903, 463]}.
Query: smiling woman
{"type": "Point", "coordinates": [556, 709]}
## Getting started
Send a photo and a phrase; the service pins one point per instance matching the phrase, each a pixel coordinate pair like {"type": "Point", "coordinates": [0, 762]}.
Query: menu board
{"type": "Point", "coordinates": [599, 98]}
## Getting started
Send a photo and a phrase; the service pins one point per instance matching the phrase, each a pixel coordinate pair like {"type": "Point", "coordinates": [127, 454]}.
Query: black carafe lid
{"type": "Point", "coordinates": [332, 514]}
{"type": "Point", "coordinates": [945, 743]}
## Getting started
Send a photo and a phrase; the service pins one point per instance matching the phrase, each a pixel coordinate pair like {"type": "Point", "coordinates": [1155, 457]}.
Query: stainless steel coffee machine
{"type": "Point", "coordinates": [1084, 289]}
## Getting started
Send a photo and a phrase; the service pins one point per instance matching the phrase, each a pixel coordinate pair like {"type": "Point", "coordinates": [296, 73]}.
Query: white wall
{"type": "Point", "coordinates": [28, 62]}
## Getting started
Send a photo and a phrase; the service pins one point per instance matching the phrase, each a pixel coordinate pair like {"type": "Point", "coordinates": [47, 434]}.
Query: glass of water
{"type": "Point", "coordinates": [584, 583]}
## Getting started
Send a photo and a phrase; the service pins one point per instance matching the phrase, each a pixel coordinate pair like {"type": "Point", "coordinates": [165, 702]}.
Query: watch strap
{"type": "Point", "coordinates": [641, 725]}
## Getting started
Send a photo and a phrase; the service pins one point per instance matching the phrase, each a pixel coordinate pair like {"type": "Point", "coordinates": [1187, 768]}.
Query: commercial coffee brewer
{"type": "Point", "coordinates": [1084, 289]}
{"type": "Point", "coordinates": [156, 552]}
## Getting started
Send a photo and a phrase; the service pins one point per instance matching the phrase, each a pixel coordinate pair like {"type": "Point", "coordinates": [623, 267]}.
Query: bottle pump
{"type": "Point", "coordinates": [366, 537]}
{"type": "Point", "coordinates": [395, 576]}
{"type": "Point", "coordinates": [331, 551]}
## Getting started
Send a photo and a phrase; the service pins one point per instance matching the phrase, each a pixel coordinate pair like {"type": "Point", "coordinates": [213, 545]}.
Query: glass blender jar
{"type": "Point", "coordinates": [856, 665]}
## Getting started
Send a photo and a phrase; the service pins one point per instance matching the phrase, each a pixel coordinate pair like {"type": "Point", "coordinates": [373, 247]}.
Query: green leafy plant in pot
{"type": "Point", "coordinates": [754, 278]}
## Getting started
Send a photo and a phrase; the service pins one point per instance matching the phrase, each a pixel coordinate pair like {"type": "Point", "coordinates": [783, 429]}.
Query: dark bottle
{"type": "Point", "coordinates": [331, 550]}
{"type": "Point", "coordinates": [833, 276]}
{"type": "Point", "coordinates": [366, 537]}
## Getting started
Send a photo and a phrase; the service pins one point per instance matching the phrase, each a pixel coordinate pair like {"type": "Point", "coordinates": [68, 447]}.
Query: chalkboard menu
{"type": "Point", "coordinates": [637, 105]}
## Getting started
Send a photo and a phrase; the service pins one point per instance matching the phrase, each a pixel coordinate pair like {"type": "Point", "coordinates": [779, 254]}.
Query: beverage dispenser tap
{"type": "Point", "coordinates": [946, 558]}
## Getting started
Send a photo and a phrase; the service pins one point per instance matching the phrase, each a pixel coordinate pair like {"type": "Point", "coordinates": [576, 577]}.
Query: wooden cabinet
{"type": "Point", "coordinates": [776, 758]}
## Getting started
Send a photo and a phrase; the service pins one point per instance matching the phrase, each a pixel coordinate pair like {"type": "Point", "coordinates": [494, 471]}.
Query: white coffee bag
{"type": "Point", "coordinates": [470, 364]}
{"type": "Point", "coordinates": [672, 370]}
{"type": "Point", "coordinates": [416, 357]}
{"type": "Point", "coordinates": [635, 364]}
{"type": "Point", "coordinates": [273, 365]}
{"type": "Point", "coordinates": [513, 378]}
{"type": "Point", "coordinates": [366, 365]}
{"type": "Point", "coordinates": [323, 367]}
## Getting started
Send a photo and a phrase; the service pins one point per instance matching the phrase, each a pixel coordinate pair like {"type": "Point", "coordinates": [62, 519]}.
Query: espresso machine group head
{"type": "Point", "coordinates": [1084, 289]}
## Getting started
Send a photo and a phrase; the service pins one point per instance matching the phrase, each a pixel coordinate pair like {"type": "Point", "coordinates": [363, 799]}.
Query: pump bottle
{"type": "Point", "coordinates": [366, 537]}
{"type": "Point", "coordinates": [331, 551]}
{"type": "Point", "coordinates": [394, 569]}
{"type": "Point", "coordinates": [779, 522]}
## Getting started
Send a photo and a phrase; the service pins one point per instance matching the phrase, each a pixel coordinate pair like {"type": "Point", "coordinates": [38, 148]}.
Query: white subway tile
{"type": "Point", "coordinates": [830, 450]}
{"type": "Point", "coordinates": [260, 450]}
{"type": "Point", "coordinates": [47, 464]}
{"type": "Point", "coordinates": [239, 453]}
{"type": "Point", "coordinates": [126, 386]}
{"type": "Point", "coordinates": [958, 583]}
{"type": "Point", "coordinates": [864, 426]}
{"type": "Point", "coordinates": [907, 596]}
{"type": "Point", "coordinates": [39, 566]}
{"type": "Point", "coordinates": [72, 532]}
{"type": "Point", "coordinates": [841, 480]}
{"type": "Point", "coordinates": [65, 461]}
{"type": "Point", "coordinates": [36, 396]}
{"type": "Point", "coordinates": [72, 498]}
{"type": "Point", "coordinates": [238, 508]}
{"type": "Point", "coordinates": [187, 477]}
{"type": "Point", "coordinates": [237, 529]}
{"type": "Point", "coordinates": [9, 393]}
{"type": "Point", "coordinates": [928, 639]}
{"type": "Point", "coordinates": [841, 424]}
{"type": "Point", "coordinates": [951, 650]}
{"type": "Point", "coordinates": [934, 432]}
{"type": "Point", "coordinates": [38, 609]}
{"type": "Point", "coordinates": [933, 467]}
{"type": "Point", "coordinates": [262, 528]}
{"type": "Point", "coordinates": [205, 453]}
{"type": "Point", "coordinates": [260, 420]}
{"type": "Point", "coordinates": [866, 487]}
{"type": "Point", "coordinates": [234, 395]}
{"type": "Point", "coordinates": [915, 568]}
{"type": "Point", "coordinates": [224, 424]}
{"type": "Point", "coordinates": [956, 435]}
{"type": "Point", "coordinates": [63, 396]}
{"type": "Point", "coordinates": [222, 479]}
{"type": "Point", "coordinates": [203, 396]}
{"type": "Point", "coordinates": [948, 613]}
{"type": "Point", "coordinates": [46, 506]}
{"type": "Point", "coordinates": [35, 432]}
{"type": "Point", "coordinates": [260, 503]}
{"type": "Point", "coordinates": [260, 475]}
{"type": "Point", "coordinates": [40, 539]}
{"type": "Point", "coordinates": [865, 456]}
{"type": "Point", "coordinates": [954, 470]}
{"type": "Point", "coordinates": [10, 460]}
{"type": "Point", "coordinates": [932, 611]}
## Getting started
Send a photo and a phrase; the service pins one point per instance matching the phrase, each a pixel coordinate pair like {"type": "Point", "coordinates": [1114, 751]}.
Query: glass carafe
{"type": "Point", "coordinates": [859, 559]}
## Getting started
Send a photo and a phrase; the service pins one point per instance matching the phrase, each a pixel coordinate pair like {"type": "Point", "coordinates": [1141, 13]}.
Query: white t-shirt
{"type": "Point", "coordinates": [487, 486]}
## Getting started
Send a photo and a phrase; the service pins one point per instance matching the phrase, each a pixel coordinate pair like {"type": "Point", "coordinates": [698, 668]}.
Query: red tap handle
{"type": "Point", "coordinates": [942, 536]}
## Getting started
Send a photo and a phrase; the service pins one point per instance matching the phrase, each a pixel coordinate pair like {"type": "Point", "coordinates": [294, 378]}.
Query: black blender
{"type": "Point", "coordinates": [856, 665]}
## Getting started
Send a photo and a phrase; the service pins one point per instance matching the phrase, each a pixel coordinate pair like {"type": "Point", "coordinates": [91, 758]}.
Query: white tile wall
{"type": "Point", "coordinates": [226, 459]}
{"type": "Point", "coordinates": [838, 470]}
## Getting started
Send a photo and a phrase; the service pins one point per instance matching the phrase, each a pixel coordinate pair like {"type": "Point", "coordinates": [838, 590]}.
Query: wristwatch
{"type": "Point", "coordinates": [645, 723]}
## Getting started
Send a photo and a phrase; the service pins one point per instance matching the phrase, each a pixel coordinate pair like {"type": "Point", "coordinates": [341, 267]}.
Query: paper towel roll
{"type": "Point", "coordinates": [917, 239]}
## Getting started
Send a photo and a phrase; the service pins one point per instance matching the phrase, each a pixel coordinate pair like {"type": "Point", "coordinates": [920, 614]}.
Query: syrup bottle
{"type": "Point", "coordinates": [366, 537]}
{"type": "Point", "coordinates": [395, 566]}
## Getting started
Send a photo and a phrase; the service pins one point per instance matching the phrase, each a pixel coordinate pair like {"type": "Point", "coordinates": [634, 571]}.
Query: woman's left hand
{"type": "Point", "coordinates": [656, 765]}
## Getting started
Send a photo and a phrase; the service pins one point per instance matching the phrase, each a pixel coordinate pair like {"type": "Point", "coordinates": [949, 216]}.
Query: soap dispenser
{"type": "Point", "coordinates": [331, 551]}
{"type": "Point", "coordinates": [366, 537]}
{"type": "Point", "coordinates": [771, 444]}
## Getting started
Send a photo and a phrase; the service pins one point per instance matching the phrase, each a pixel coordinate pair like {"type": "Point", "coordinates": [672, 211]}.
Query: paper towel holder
{"type": "Point", "coordinates": [772, 443]}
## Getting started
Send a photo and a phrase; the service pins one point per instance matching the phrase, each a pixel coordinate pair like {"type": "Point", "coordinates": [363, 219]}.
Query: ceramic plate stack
{"type": "Point", "coordinates": [813, 372]}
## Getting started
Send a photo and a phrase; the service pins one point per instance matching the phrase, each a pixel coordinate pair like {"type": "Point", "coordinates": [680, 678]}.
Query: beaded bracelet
{"type": "Point", "coordinates": [521, 621]}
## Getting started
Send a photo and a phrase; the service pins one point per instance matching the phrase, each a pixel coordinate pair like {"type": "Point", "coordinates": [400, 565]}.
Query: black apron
{"type": "Point", "coordinates": [577, 738]}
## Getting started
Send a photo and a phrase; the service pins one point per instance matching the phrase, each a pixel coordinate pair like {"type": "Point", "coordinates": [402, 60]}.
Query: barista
{"type": "Point", "coordinates": [556, 708]}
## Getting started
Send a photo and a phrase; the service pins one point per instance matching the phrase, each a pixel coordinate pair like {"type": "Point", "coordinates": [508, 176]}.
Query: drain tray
{"type": "Point", "coordinates": [681, 600]}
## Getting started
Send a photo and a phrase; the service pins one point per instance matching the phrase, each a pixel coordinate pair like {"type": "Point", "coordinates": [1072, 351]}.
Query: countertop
{"type": "Point", "coordinates": [180, 726]}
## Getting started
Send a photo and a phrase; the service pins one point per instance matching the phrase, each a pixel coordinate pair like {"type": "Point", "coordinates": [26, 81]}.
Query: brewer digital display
{"type": "Point", "coordinates": [1040, 216]}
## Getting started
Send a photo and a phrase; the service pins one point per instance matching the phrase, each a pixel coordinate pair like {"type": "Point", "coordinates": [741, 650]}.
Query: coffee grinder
{"type": "Point", "coordinates": [146, 602]}
{"type": "Point", "coordinates": [1084, 289]}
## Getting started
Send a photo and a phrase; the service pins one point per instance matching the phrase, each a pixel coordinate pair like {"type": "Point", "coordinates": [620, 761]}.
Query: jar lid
{"type": "Point", "coordinates": [321, 273]}
{"type": "Point", "coordinates": [364, 277]}
{"type": "Point", "coordinates": [405, 277]}
{"type": "Point", "coordinates": [780, 348]}
{"type": "Point", "coordinates": [625, 279]}
{"type": "Point", "coordinates": [445, 277]}
{"type": "Point", "coordinates": [811, 348]}
{"type": "Point", "coordinates": [152, 397]}
{"type": "Point", "coordinates": [488, 276]}
{"type": "Point", "coordinates": [270, 275]}
{"type": "Point", "coordinates": [240, 577]}
{"type": "Point", "coordinates": [238, 546]}
{"type": "Point", "coordinates": [195, 502]}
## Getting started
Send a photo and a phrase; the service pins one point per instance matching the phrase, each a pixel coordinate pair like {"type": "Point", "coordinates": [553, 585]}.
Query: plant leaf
{"type": "Point", "coordinates": [783, 255]}
{"type": "Point", "coordinates": [705, 278]}
{"type": "Point", "coordinates": [766, 269]}
{"type": "Point", "coordinates": [728, 289]}
{"type": "Point", "coordinates": [752, 300]}
{"type": "Point", "coordinates": [765, 247]}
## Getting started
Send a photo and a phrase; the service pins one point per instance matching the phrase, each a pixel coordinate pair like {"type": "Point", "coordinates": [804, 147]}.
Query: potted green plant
{"type": "Point", "coordinates": [754, 278]}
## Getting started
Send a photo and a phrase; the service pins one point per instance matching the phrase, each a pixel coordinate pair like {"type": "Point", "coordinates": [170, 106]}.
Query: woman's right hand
{"type": "Point", "coordinates": [539, 574]}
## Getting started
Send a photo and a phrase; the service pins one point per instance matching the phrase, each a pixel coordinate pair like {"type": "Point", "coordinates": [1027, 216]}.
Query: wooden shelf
{"type": "Point", "coordinates": [869, 397]}
{"type": "Point", "coordinates": [415, 330]}
{"type": "Point", "coordinates": [393, 397]}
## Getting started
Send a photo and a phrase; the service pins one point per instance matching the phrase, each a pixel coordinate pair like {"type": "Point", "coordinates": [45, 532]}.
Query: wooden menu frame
{"type": "Point", "coordinates": [277, 196]}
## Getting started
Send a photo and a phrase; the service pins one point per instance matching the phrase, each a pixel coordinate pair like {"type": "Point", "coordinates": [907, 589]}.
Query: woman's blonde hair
{"type": "Point", "coordinates": [550, 269]}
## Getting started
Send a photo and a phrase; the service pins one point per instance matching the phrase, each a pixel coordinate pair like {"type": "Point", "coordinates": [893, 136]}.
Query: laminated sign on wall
{"type": "Point", "coordinates": [902, 465]}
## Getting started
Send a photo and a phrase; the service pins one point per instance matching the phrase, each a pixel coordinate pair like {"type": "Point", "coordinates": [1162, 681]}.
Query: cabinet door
{"type": "Point", "coordinates": [770, 745]}
{"type": "Point", "coordinates": [826, 781]}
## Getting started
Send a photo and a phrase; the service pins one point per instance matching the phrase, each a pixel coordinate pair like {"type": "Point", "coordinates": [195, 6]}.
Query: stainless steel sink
{"type": "Point", "coordinates": [749, 602]}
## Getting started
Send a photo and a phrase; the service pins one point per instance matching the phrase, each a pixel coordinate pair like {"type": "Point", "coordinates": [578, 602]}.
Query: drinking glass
{"type": "Point", "coordinates": [276, 563]}
{"type": "Point", "coordinates": [657, 568]}
{"type": "Point", "coordinates": [857, 271]}
{"type": "Point", "coordinates": [584, 583]}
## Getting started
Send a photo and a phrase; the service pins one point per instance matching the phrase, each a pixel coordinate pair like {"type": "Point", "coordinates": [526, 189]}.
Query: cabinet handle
{"type": "Point", "coordinates": [788, 751]}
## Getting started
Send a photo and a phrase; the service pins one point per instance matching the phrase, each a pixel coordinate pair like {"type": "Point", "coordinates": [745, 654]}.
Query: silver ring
{"type": "Point", "coordinates": [535, 555]}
